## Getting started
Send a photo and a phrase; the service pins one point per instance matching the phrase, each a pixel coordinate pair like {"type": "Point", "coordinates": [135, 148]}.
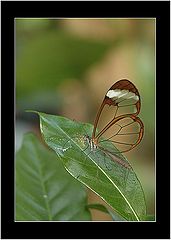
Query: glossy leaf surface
{"type": "Point", "coordinates": [117, 185]}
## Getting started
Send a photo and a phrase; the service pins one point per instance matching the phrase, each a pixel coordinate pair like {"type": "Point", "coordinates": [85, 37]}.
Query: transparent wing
{"type": "Point", "coordinates": [125, 134]}
{"type": "Point", "coordinates": [124, 129]}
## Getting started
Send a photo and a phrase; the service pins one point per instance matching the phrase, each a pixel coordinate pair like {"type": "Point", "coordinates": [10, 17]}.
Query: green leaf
{"type": "Point", "coordinates": [148, 218]}
{"type": "Point", "coordinates": [117, 185]}
{"type": "Point", "coordinates": [102, 208]}
{"type": "Point", "coordinates": [44, 190]}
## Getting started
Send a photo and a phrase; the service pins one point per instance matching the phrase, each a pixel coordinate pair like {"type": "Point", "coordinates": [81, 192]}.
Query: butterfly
{"type": "Point", "coordinates": [125, 128]}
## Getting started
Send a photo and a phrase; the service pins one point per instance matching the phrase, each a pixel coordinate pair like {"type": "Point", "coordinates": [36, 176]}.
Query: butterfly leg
{"type": "Point", "coordinates": [107, 164]}
{"type": "Point", "coordinates": [126, 175]}
{"type": "Point", "coordinates": [97, 167]}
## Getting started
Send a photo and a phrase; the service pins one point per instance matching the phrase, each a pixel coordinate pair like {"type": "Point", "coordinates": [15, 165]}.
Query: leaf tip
{"type": "Point", "coordinates": [32, 111]}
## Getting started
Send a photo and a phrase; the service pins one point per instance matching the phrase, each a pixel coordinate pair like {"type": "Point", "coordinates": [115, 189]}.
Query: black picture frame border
{"type": "Point", "coordinates": [102, 230]}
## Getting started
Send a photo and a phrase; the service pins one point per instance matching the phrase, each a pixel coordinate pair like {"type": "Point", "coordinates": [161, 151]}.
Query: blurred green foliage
{"type": "Point", "coordinates": [54, 56]}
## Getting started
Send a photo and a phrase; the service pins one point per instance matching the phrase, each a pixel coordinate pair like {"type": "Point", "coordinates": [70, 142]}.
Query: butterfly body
{"type": "Point", "coordinates": [91, 142]}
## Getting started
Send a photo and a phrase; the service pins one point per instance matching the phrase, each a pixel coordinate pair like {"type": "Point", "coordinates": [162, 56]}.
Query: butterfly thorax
{"type": "Point", "coordinates": [92, 142]}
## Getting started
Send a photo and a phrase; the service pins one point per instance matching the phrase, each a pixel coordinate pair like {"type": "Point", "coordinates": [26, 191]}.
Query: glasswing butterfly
{"type": "Point", "coordinates": [125, 128]}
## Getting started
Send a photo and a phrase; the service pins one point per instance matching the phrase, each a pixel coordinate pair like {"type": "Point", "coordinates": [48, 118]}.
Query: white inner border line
{"type": "Point", "coordinates": [65, 18]}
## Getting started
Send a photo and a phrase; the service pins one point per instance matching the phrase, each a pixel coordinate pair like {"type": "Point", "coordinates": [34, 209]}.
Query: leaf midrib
{"type": "Point", "coordinates": [45, 193]}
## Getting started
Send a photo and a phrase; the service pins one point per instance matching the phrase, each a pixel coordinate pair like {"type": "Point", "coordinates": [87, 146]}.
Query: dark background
{"type": "Point", "coordinates": [162, 21]}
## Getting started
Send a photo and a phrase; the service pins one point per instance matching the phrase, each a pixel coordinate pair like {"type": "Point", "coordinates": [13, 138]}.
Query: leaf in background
{"type": "Point", "coordinates": [44, 190]}
{"type": "Point", "coordinates": [117, 185]}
